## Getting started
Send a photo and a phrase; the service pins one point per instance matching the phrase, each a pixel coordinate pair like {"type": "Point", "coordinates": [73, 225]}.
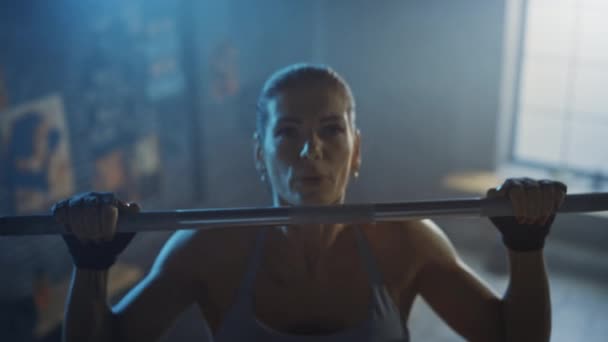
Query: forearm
{"type": "Point", "coordinates": [88, 316]}
{"type": "Point", "coordinates": [527, 302]}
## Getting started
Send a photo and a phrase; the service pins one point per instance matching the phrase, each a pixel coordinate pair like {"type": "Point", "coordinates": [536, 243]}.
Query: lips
{"type": "Point", "coordinates": [310, 179]}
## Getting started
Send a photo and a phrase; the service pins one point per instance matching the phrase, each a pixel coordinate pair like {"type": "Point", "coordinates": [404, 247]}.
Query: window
{"type": "Point", "coordinates": [561, 94]}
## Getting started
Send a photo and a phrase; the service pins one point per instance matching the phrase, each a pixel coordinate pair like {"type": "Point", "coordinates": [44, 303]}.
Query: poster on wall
{"type": "Point", "coordinates": [35, 152]}
{"type": "Point", "coordinates": [130, 170]}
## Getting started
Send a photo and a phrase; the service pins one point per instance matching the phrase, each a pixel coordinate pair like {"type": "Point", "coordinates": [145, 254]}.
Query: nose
{"type": "Point", "coordinates": [311, 149]}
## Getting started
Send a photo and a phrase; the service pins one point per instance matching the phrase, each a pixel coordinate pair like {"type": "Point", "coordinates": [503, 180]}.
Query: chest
{"type": "Point", "coordinates": [338, 302]}
{"type": "Point", "coordinates": [334, 298]}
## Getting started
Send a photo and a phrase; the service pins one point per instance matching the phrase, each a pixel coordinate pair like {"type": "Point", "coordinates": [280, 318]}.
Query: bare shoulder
{"type": "Point", "coordinates": [426, 233]}
{"type": "Point", "coordinates": [437, 246]}
{"type": "Point", "coordinates": [420, 240]}
{"type": "Point", "coordinates": [411, 231]}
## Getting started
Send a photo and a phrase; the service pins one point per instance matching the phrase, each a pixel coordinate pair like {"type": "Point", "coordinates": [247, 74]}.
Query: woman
{"type": "Point", "coordinates": [336, 282]}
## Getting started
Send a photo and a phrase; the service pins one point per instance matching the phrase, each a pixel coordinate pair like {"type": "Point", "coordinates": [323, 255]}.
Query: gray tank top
{"type": "Point", "coordinates": [383, 324]}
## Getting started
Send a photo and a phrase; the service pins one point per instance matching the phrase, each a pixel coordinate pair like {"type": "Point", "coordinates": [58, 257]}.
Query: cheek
{"type": "Point", "coordinates": [342, 154]}
{"type": "Point", "coordinates": [285, 152]}
{"type": "Point", "coordinates": [278, 165]}
{"type": "Point", "coordinates": [342, 176]}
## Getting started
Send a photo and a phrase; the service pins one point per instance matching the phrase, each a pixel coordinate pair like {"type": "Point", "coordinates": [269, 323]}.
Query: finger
{"type": "Point", "coordinates": [533, 201]}
{"type": "Point", "coordinates": [60, 211]}
{"type": "Point", "coordinates": [562, 190]}
{"type": "Point", "coordinates": [108, 215]}
{"type": "Point", "coordinates": [122, 206]}
{"type": "Point", "coordinates": [493, 192]}
{"type": "Point", "coordinates": [561, 186]}
{"type": "Point", "coordinates": [75, 217]}
{"type": "Point", "coordinates": [503, 189]}
{"type": "Point", "coordinates": [109, 218]}
{"type": "Point", "coordinates": [133, 208]}
{"type": "Point", "coordinates": [127, 208]}
{"type": "Point", "coordinates": [91, 217]}
{"type": "Point", "coordinates": [517, 196]}
{"type": "Point", "coordinates": [548, 200]}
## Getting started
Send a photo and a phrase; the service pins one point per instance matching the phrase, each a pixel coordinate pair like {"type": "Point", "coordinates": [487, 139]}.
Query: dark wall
{"type": "Point", "coordinates": [426, 77]}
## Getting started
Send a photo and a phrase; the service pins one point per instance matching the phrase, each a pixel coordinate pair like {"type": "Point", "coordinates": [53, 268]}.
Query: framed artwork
{"type": "Point", "coordinates": [36, 165]}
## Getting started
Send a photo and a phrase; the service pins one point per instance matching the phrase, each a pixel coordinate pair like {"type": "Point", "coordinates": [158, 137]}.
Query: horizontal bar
{"type": "Point", "coordinates": [268, 216]}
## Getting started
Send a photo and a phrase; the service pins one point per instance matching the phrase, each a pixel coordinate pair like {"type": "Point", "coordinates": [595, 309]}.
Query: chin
{"type": "Point", "coordinates": [315, 199]}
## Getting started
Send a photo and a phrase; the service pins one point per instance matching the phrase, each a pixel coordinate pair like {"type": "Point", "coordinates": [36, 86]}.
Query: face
{"type": "Point", "coordinates": [309, 149]}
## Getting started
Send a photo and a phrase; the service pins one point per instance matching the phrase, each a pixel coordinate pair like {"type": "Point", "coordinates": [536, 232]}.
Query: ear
{"type": "Point", "coordinates": [258, 152]}
{"type": "Point", "coordinates": [356, 158]}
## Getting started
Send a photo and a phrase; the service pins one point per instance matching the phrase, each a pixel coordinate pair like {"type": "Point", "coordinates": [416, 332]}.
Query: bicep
{"type": "Point", "coordinates": [456, 293]}
{"type": "Point", "coordinates": [152, 306]}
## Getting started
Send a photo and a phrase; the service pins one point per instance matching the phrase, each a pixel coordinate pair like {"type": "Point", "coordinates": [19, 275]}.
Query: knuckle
{"type": "Point", "coordinates": [84, 216]}
{"type": "Point", "coordinates": [58, 211]}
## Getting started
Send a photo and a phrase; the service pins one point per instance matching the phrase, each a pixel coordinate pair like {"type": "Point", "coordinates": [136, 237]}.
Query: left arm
{"type": "Point", "coordinates": [469, 306]}
{"type": "Point", "coordinates": [464, 302]}
{"type": "Point", "coordinates": [454, 292]}
{"type": "Point", "coordinates": [526, 303]}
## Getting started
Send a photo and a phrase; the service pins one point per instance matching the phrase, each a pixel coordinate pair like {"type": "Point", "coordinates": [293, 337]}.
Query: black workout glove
{"type": "Point", "coordinates": [90, 216]}
{"type": "Point", "coordinates": [522, 237]}
{"type": "Point", "coordinates": [535, 204]}
{"type": "Point", "coordinates": [97, 255]}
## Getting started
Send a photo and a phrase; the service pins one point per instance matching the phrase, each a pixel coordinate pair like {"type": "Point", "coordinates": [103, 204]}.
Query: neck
{"type": "Point", "coordinates": [311, 238]}
{"type": "Point", "coordinates": [310, 242]}
{"type": "Point", "coordinates": [306, 248]}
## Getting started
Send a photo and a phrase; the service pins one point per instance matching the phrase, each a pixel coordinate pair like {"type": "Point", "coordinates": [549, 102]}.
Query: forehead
{"type": "Point", "coordinates": [309, 103]}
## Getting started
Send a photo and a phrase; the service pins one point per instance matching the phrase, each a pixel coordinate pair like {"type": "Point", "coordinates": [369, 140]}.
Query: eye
{"type": "Point", "coordinates": [286, 131]}
{"type": "Point", "coordinates": [331, 130]}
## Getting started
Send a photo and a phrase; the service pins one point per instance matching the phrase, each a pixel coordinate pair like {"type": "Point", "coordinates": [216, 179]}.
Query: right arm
{"type": "Point", "coordinates": [145, 312]}
{"type": "Point", "coordinates": [149, 308]}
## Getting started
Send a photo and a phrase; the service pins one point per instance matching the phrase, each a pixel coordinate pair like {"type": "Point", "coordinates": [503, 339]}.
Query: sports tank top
{"type": "Point", "coordinates": [383, 323]}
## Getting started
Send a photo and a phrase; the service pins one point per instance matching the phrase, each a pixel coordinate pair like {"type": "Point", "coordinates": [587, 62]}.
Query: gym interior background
{"type": "Point", "coordinates": [155, 100]}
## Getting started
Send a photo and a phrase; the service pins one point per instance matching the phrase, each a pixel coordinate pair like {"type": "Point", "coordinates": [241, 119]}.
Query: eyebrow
{"type": "Point", "coordinates": [332, 117]}
{"type": "Point", "coordinates": [329, 118]}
